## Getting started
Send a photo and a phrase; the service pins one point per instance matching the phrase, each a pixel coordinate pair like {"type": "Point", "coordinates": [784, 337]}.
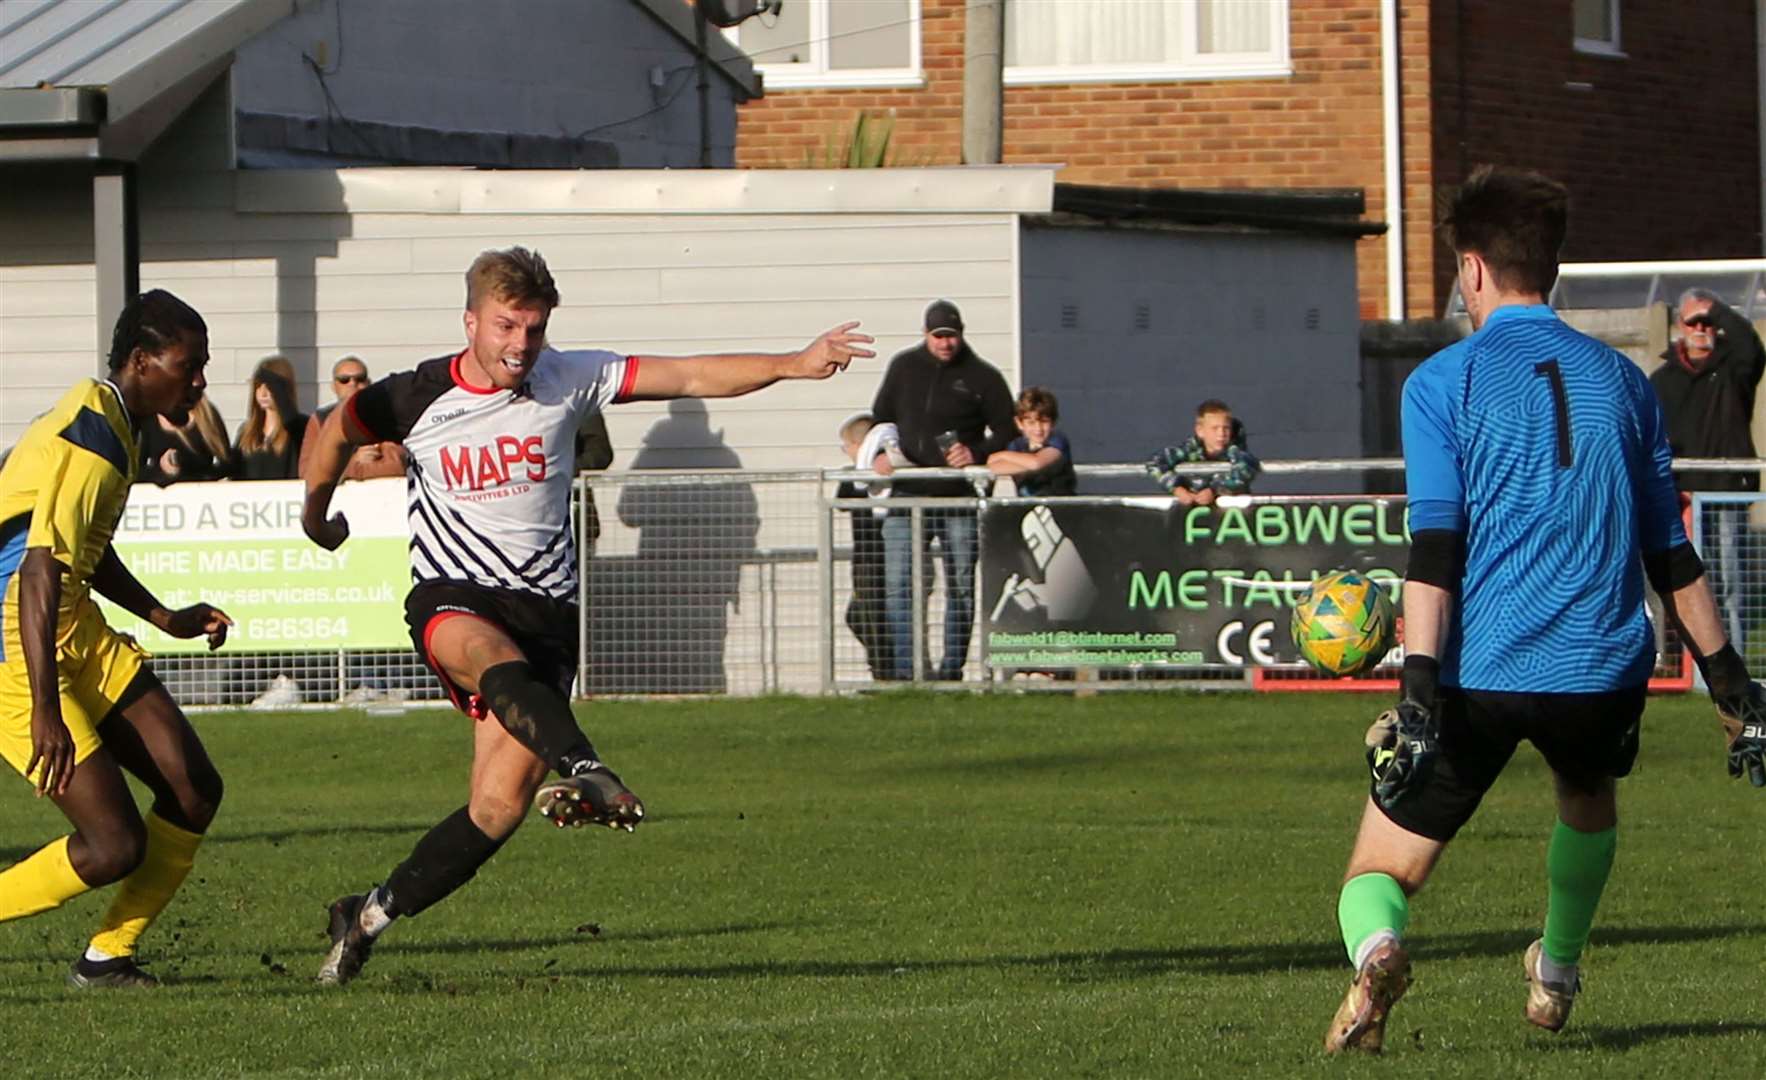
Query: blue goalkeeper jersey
{"type": "Point", "coordinates": [1547, 450]}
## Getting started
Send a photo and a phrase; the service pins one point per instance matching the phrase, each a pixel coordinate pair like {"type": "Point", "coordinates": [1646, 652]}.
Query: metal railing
{"type": "Point", "coordinates": [727, 582]}
{"type": "Point", "coordinates": [1742, 281]}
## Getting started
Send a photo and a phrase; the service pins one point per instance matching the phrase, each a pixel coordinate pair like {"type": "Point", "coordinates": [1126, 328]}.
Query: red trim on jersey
{"type": "Point", "coordinates": [631, 379]}
{"type": "Point", "coordinates": [474, 705]}
{"type": "Point", "coordinates": [349, 410]}
{"type": "Point", "coordinates": [454, 371]}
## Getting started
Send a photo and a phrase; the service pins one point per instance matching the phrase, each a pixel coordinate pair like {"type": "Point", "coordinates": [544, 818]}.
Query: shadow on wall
{"type": "Point", "coordinates": [658, 620]}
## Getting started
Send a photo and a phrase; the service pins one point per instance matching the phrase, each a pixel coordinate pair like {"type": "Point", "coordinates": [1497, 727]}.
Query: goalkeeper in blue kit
{"type": "Point", "coordinates": [1541, 498]}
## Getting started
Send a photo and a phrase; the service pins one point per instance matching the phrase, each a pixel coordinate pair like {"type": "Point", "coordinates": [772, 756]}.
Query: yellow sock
{"type": "Point", "coordinates": [42, 881]}
{"type": "Point", "coordinates": [145, 893]}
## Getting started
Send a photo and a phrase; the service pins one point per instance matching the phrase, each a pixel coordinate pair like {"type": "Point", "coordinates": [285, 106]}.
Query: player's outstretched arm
{"type": "Point", "coordinates": [660, 378]}
{"type": "Point", "coordinates": [338, 439]}
{"type": "Point", "coordinates": [113, 579]}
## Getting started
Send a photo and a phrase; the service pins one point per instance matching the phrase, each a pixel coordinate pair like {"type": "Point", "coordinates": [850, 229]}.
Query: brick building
{"type": "Point", "coordinates": [1648, 109]}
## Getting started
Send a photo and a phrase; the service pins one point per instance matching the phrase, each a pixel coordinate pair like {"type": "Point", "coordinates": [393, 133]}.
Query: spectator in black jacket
{"type": "Point", "coordinates": [1706, 384]}
{"type": "Point", "coordinates": [268, 445]}
{"type": "Point", "coordinates": [195, 450]}
{"type": "Point", "coordinates": [953, 409]}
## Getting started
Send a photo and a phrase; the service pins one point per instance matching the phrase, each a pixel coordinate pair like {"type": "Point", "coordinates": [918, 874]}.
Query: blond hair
{"type": "Point", "coordinates": [515, 276]}
{"type": "Point", "coordinates": [855, 427]}
{"type": "Point", "coordinates": [210, 428]}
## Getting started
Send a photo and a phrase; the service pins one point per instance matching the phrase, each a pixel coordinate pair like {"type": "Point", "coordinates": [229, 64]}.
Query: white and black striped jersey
{"type": "Point", "coordinates": [489, 478]}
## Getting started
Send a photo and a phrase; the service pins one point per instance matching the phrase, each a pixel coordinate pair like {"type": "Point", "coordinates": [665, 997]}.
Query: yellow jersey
{"type": "Point", "coordinates": [64, 487]}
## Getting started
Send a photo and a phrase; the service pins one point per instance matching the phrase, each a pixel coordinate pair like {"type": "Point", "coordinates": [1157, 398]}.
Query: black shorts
{"type": "Point", "coordinates": [545, 629]}
{"type": "Point", "coordinates": [1585, 738]}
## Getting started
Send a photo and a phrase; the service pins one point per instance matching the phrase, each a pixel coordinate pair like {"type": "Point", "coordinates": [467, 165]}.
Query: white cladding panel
{"type": "Point", "coordinates": [389, 287]}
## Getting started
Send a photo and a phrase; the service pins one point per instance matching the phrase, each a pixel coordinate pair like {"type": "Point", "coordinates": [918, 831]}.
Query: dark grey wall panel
{"type": "Point", "coordinates": [1133, 328]}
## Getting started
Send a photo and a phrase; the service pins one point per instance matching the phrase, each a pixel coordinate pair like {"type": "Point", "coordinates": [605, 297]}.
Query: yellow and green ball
{"type": "Point", "coordinates": [1344, 624]}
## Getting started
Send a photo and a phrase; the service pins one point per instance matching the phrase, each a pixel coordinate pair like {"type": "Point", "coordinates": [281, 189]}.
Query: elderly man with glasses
{"type": "Point", "coordinates": [1706, 385]}
{"type": "Point", "coordinates": [349, 375]}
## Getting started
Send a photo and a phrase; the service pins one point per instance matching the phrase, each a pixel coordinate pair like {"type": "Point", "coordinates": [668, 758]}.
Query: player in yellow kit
{"type": "Point", "coordinates": [78, 706]}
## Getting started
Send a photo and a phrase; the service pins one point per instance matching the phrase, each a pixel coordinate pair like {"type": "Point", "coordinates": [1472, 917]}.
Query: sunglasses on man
{"type": "Point", "coordinates": [361, 380]}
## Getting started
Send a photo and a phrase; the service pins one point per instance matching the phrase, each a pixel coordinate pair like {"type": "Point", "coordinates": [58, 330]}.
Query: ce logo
{"type": "Point", "coordinates": [1257, 638]}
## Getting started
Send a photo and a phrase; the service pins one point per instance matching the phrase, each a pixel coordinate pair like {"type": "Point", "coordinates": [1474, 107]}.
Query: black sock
{"type": "Point", "coordinates": [446, 858]}
{"type": "Point", "coordinates": [536, 714]}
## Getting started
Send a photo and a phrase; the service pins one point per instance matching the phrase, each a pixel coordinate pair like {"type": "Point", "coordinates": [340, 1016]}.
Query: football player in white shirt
{"type": "Point", "coordinates": [490, 436]}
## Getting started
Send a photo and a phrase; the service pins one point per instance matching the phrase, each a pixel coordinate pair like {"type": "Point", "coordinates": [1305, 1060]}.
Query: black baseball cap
{"type": "Point", "coordinates": [942, 315]}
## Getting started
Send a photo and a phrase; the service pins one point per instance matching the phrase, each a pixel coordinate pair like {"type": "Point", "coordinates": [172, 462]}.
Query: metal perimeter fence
{"type": "Point", "coordinates": [750, 582]}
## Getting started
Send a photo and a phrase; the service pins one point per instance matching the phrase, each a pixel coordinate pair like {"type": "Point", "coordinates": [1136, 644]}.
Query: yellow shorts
{"type": "Point", "coordinates": [93, 668]}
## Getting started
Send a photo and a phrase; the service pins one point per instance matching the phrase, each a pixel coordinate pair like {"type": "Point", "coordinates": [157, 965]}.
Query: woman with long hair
{"type": "Point", "coordinates": [269, 441]}
{"type": "Point", "coordinates": [196, 450]}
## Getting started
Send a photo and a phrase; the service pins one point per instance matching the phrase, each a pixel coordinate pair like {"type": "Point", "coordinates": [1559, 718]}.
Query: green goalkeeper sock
{"type": "Point", "coordinates": [1577, 864]}
{"type": "Point", "coordinates": [1371, 906]}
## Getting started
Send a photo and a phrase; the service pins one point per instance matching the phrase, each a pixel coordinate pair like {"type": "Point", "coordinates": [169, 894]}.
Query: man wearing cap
{"type": "Point", "coordinates": [952, 409]}
{"type": "Point", "coordinates": [1706, 385]}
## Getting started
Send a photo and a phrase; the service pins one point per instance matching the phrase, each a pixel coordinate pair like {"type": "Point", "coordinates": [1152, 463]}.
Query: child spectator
{"type": "Point", "coordinates": [1218, 437]}
{"type": "Point", "coordinates": [1040, 459]}
{"type": "Point", "coordinates": [863, 439]}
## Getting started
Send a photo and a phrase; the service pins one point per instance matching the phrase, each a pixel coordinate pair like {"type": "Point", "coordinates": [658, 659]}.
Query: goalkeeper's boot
{"type": "Point", "coordinates": [117, 972]}
{"type": "Point", "coordinates": [592, 795]}
{"type": "Point", "coordinates": [1360, 1023]}
{"type": "Point", "coordinates": [1548, 1003]}
{"type": "Point", "coordinates": [350, 944]}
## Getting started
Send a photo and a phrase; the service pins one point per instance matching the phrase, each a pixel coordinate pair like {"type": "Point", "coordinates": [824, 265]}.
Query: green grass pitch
{"type": "Point", "coordinates": [939, 886]}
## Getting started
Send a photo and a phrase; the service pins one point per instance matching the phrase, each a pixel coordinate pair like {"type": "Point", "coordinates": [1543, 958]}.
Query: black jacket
{"type": "Point", "coordinates": [265, 463]}
{"type": "Point", "coordinates": [923, 397]}
{"type": "Point", "coordinates": [197, 462]}
{"type": "Point", "coordinates": [1711, 413]}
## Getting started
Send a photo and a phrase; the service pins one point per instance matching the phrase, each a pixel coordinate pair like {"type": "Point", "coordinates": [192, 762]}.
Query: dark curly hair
{"type": "Point", "coordinates": [152, 322]}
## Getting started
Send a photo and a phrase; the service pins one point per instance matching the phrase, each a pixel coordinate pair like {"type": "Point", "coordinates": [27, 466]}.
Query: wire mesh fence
{"type": "Point", "coordinates": [902, 598]}
{"type": "Point", "coordinates": [738, 582]}
{"type": "Point", "coordinates": [701, 582]}
{"type": "Point", "coordinates": [1729, 531]}
{"type": "Point", "coordinates": [264, 680]}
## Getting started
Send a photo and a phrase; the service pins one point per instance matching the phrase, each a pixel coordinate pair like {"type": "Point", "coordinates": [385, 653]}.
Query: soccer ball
{"type": "Point", "coordinates": [1344, 624]}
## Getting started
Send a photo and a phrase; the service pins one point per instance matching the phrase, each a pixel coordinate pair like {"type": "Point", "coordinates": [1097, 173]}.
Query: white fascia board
{"type": "Point", "coordinates": [50, 148]}
{"type": "Point", "coordinates": [1025, 189]}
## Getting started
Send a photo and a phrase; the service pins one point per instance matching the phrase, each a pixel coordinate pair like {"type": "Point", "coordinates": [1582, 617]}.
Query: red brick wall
{"type": "Point", "coordinates": [1660, 149]}
{"type": "Point", "coordinates": [1320, 127]}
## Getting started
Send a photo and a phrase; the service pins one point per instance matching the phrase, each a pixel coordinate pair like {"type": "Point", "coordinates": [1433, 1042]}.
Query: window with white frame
{"type": "Point", "coordinates": [1597, 26]}
{"type": "Point", "coordinates": [836, 43]}
{"type": "Point", "coordinates": [1059, 41]}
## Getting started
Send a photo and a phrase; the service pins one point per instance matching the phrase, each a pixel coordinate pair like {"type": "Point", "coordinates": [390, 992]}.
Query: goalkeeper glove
{"type": "Point", "coordinates": [1401, 748]}
{"type": "Point", "coordinates": [1403, 742]}
{"type": "Point", "coordinates": [1744, 721]}
{"type": "Point", "coordinates": [1741, 706]}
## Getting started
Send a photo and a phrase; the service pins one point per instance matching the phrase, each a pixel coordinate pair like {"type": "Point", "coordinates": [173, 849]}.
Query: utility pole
{"type": "Point", "coordinates": [984, 65]}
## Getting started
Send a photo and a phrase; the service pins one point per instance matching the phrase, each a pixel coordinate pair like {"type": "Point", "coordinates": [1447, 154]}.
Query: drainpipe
{"type": "Point", "coordinates": [1392, 106]}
